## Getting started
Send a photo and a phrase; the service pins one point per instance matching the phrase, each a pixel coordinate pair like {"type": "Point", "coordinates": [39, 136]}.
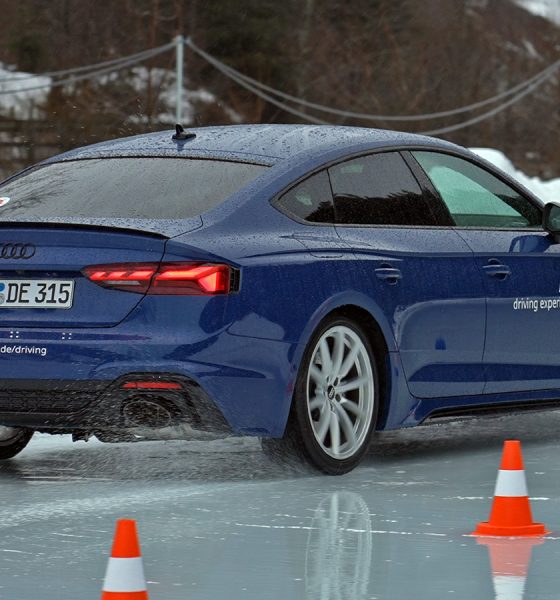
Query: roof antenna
{"type": "Point", "coordinates": [182, 135]}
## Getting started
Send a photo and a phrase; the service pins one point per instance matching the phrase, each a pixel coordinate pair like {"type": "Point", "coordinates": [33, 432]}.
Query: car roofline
{"type": "Point", "coordinates": [257, 143]}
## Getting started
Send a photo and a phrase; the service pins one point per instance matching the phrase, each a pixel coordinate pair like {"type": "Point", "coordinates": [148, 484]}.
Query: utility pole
{"type": "Point", "coordinates": [179, 60]}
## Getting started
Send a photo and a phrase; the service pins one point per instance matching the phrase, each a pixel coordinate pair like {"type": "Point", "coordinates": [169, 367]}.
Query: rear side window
{"type": "Point", "coordinates": [475, 197]}
{"type": "Point", "coordinates": [310, 200]}
{"type": "Point", "coordinates": [378, 189]}
{"type": "Point", "coordinates": [143, 188]}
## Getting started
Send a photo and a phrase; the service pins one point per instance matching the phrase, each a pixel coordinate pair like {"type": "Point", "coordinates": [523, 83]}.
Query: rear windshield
{"type": "Point", "coordinates": [142, 188]}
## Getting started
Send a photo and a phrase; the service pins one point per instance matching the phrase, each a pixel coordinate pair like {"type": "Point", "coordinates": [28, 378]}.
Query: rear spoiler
{"type": "Point", "coordinates": [158, 228]}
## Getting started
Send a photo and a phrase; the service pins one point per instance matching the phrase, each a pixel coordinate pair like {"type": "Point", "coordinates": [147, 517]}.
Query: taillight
{"type": "Point", "coordinates": [188, 279]}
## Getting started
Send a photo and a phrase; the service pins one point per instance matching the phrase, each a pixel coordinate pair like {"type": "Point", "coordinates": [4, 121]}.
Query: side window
{"type": "Point", "coordinates": [474, 197]}
{"type": "Point", "coordinates": [310, 200]}
{"type": "Point", "coordinates": [378, 189]}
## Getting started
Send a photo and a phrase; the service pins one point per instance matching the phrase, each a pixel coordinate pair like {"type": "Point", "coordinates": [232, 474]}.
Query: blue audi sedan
{"type": "Point", "coordinates": [309, 285]}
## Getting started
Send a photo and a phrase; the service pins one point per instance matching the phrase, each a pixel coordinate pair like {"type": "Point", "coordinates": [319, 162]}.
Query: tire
{"type": "Point", "coordinates": [335, 403]}
{"type": "Point", "coordinates": [13, 440]}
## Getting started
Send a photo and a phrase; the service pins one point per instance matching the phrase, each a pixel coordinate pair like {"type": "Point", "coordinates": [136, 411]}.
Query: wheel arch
{"type": "Point", "coordinates": [376, 327]}
{"type": "Point", "coordinates": [356, 304]}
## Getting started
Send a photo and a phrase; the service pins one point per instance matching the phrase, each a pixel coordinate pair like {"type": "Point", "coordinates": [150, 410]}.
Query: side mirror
{"type": "Point", "coordinates": [551, 219]}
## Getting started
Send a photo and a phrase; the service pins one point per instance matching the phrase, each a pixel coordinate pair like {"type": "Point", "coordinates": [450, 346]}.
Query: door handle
{"type": "Point", "coordinates": [496, 269]}
{"type": "Point", "coordinates": [389, 274]}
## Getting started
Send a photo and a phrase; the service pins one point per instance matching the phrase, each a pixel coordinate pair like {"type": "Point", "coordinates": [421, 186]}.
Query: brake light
{"type": "Point", "coordinates": [189, 279]}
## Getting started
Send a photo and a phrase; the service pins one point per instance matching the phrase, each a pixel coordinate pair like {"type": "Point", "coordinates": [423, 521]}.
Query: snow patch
{"type": "Point", "coordinates": [24, 103]}
{"type": "Point", "coordinates": [548, 9]}
{"type": "Point", "coordinates": [19, 103]}
{"type": "Point", "coordinates": [545, 190]}
{"type": "Point", "coordinates": [531, 50]}
{"type": "Point", "coordinates": [163, 81]}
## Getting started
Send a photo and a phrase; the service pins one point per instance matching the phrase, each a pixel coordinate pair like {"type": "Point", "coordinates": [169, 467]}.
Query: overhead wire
{"type": "Point", "coordinates": [490, 113]}
{"type": "Point", "coordinates": [237, 75]}
{"type": "Point", "coordinates": [248, 86]}
{"type": "Point", "coordinates": [105, 63]}
{"type": "Point", "coordinates": [123, 63]}
{"type": "Point", "coordinates": [272, 95]}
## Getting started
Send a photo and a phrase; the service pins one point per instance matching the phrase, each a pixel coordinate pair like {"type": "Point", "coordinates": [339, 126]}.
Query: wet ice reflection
{"type": "Point", "coordinates": [509, 561]}
{"type": "Point", "coordinates": [339, 548]}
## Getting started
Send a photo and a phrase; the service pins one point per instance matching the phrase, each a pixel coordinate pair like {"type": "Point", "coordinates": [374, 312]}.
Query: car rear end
{"type": "Point", "coordinates": [98, 325]}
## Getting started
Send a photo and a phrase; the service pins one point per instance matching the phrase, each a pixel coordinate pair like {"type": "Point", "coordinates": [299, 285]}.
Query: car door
{"type": "Point", "coordinates": [417, 269]}
{"type": "Point", "coordinates": [520, 265]}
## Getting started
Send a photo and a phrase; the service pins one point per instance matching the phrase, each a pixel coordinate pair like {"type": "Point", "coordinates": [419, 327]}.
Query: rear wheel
{"type": "Point", "coordinates": [13, 440]}
{"type": "Point", "coordinates": [335, 402]}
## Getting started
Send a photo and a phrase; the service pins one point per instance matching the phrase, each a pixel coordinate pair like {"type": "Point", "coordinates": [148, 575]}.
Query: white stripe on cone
{"type": "Point", "coordinates": [125, 575]}
{"type": "Point", "coordinates": [509, 587]}
{"type": "Point", "coordinates": [511, 483]}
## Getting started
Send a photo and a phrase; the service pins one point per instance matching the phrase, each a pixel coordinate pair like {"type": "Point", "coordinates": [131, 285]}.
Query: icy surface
{"type": "Point", "coordinates": [219, 520]}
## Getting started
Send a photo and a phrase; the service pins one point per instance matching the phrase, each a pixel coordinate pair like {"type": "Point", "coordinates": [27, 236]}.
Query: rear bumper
{"type": "Point", "coordinates": [246, 378]}
{"type": "Point", "coordinates": [57, 406]}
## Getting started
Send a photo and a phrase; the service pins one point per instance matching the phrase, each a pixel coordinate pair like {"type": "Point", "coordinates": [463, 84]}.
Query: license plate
{"type": "Point", "coordinates": [36, 293]}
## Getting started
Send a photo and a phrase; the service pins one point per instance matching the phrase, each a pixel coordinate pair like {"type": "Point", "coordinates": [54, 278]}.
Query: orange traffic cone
{"type": "Point", "coordinates": [511, 511]}
{"type": "Point", "coordinates": [124, 578]}
{"type": "Point", "coordinates": [509, 561]}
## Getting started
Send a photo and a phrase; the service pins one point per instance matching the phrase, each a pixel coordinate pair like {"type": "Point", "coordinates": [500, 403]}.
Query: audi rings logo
{"type": "Point", "coordinates": [17, 251]}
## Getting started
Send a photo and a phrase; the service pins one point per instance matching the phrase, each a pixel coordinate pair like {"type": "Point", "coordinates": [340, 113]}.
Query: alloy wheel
{"type": "Point", "coordinates": [340, 392]}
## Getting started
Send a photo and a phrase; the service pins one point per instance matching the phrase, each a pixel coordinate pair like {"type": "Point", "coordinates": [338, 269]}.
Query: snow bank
{"type": "Point", "coordinates": [546, 190]}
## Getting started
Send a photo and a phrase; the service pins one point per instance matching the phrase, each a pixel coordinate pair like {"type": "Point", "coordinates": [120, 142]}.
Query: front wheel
{"type": "Point", "coordinates": [335, 402]}
{"type": "Point", "coordinates": [13, 440]}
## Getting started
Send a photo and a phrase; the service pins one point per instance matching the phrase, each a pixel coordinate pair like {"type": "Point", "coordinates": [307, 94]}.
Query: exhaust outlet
{"type": "Point", "coordinates": [147, 412]}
